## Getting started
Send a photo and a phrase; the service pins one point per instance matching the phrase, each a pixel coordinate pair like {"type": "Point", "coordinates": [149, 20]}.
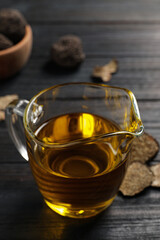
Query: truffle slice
{"type": "Point", "coordinates": [4, 101]}
{"type": "Point", "coordinates": [137, 178]}
{"type": "Point", "coordinates": [156, 175]}
{"type": "Point", "coordinates": [68, 51]}
{"type": "Point", "coordinates": [144, 148]}
{"type": "Point", "coordinates": [4, 42]}
{"type": "Point", "coordinates": [105, 72]}
{"type": "Point", "coordinates": [12, 24]}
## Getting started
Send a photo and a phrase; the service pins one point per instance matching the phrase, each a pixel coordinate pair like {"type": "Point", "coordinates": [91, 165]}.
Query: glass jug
{"type": "Point", "coordinates": [77, 138]}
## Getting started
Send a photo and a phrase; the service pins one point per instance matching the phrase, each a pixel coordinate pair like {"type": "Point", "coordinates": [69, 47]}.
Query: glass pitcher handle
{"type": "Point", "coordinates": [14, 121]}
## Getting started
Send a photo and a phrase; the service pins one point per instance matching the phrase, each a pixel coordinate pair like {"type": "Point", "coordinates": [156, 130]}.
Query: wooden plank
{"type": "Point", "coordinates": [139, 74]}
{"type": "Point", "coordinates": [88, 11]}
{"type": "Point", "coordinates": [133, 40]}
{"type": "Point", "coordinates": [11, 173]}
{"type": "Point", "coordinates": [37, 223]}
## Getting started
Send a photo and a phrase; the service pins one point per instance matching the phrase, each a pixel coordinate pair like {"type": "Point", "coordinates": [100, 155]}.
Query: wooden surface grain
{"type": "Point", "coordinates": [126, 30]}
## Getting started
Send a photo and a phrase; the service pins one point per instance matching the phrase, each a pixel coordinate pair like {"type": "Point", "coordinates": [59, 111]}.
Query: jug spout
{"type": "Point", "coordinates": [132, 120]}
{"type": "Point", "coordinates": [123, 109]}
{"type": "Point", "coordinates": [125, 112]}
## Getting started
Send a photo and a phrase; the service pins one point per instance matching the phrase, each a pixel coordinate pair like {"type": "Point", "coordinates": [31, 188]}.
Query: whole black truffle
{"type": "Point", "coordinates": [12, 24]}
{"type": "Point", "coordinates": [5, 42]}
{"type": "Point", "coordinates": [68, 51]}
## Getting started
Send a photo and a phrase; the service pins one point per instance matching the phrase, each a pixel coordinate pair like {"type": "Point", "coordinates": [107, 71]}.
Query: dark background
{"type": "Point", "coordinates": [123, 29]}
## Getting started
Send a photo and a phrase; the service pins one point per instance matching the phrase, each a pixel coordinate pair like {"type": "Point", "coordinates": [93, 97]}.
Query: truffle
{"type": "Point", "coordinates": [137, 178]}
{"type": "Point", "coordinates": [4, 42]}
{"type": "Point", "coordinates": [156, 173]}
{"type": "Point", "coordinates": [4, 101]}
{"type": "Point", "coordinates": [68, 51]}
{"type": "Point", "coordinates": [144, 148]}
{"type": "Point", "coordinates": [12, 24]}
{"type": "Point", "coordinates": [105, 72]}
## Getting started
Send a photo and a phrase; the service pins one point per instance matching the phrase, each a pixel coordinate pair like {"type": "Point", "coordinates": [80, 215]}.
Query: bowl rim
{"type": "Point", "coordinates": [25, 39]}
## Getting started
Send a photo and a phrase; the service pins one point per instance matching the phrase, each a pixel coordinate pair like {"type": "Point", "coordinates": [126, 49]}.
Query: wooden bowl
{"type": "Point", "coordinates": [14, 58]}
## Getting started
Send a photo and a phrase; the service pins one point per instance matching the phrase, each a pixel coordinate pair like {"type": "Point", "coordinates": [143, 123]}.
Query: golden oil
{"type": "Point", "coordinates": [82, 178]}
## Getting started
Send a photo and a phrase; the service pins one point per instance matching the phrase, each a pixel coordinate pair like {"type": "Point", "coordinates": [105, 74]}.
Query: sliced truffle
{"type": "Point", "coordinates": [68, 51]}
{"type": "Point", "coordinates": [5, 42]}
{"type": "Point", "coordinates": [105, 72]}
{"type": "Point", "coordinates": [137, 178]}
{"type": "Point", "coordinates": [156, 175]}
{"type": "Point", "coordinates": [12, 24]}
{"type": "Point", "coordinates": [144, 148]}
{"type": "Point", "coordinates": [4, 101]}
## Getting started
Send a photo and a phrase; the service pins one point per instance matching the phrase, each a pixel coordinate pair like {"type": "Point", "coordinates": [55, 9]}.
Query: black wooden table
{"type": "Point", "coordinates": [123, 29]}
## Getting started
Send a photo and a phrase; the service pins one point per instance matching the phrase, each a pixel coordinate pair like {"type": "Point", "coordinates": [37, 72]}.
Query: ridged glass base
{"type": "Point", "coordinates": [68, 211]}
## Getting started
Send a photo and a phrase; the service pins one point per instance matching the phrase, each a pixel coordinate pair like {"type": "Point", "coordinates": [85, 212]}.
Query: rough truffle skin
{"type": "Point", "coordinates": [12, 24]}
{"type": "Point", "coordinates": [68, 51]}
{"type": "Point", "coordinates": [5, 42]}
{"type": "Point", "coordinates": [137, 178]}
